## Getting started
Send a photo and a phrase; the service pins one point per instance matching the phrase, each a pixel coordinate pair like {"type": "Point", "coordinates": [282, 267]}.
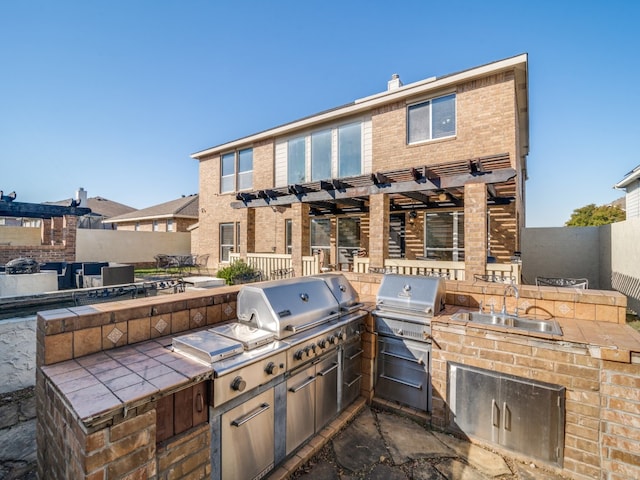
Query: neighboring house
{"type": "Point", "coordinates": [433, 170]}
{"type": "Point", "coordinates": [631, 184]}
{"type": "Point", "coordinates": [174, 216]}
{"type": "Point", "coordinates": [101, 209]}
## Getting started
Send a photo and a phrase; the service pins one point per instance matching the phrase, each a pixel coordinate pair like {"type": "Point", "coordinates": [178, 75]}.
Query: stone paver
{"type": "Point", "coordinates": [18, 442]}
{"type": "Point", "coordinates": [425, 471]}
{"type": "Point", "coordinates": [489, 463]}
{"type": "Point", "coordinates": [408, 441]}
{"type": "Point", "coordinates": [385, 472]}
{"type": "Point", "coordinates": [454, 469]}
{"type": "Point", "coordinates": [360, 445]}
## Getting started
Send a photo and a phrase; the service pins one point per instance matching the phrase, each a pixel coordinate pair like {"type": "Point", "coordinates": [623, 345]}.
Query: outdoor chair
{"type": "Point", "coordinates": [282, 273]}
{"type": "Point", "coordinates": [201, 263]}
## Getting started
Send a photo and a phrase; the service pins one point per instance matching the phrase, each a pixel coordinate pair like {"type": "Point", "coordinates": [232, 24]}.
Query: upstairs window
{"type": "Point", "coordinates": [236, 171]}
{"type": "Point", "coordinates": [296, 163]}
{"type": "Point", "coordinates": [349, 150]}
{"type": "Point", "coordinates": [321, 155]}
{"type": "Point", "coordinates": [432, 119]}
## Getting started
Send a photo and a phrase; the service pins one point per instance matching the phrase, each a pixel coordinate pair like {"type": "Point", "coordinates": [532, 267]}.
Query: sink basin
{"type": "Point", "coordinates": [544, 326]}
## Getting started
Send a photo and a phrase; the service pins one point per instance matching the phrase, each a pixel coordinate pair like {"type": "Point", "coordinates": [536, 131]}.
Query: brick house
{"type": "Point", "coordinates": [173, 216]}
{"type": "Point", "coordinates": [430, 171]}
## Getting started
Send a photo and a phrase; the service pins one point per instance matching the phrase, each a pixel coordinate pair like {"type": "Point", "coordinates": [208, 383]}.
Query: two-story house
{"type": "Point", "coordinates": [432, 171]}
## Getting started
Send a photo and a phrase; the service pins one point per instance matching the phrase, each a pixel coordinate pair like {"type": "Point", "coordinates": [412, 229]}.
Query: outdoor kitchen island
{"type": "Point", "coordinates": [87, 433]}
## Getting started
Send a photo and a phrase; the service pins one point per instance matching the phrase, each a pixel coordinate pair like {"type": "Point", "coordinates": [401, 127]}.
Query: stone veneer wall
{"type": "Point", "coordinates": [123, 445]}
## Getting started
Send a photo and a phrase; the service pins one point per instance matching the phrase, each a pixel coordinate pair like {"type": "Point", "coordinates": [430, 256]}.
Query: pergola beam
{"type": "Point", "coordinates": [421, 184]}
{"type": "Point", "coordinates": [38, 210]}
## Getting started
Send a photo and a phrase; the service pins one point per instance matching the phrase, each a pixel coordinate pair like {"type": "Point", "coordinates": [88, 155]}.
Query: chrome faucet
{"type": "Point", "coordinates": [516, 294]}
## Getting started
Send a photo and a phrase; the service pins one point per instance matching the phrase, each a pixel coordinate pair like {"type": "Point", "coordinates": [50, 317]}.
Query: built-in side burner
{"type": "Point", "coordinates": [250, 336]}
{"type": "Point", "coordinates": [206, 346]}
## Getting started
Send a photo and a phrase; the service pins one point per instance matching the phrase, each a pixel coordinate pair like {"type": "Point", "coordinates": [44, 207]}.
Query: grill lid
{"type": "Point", "coordinates": [340, 287]}
{"type": "Point", "coordinates": [288, 306]}
{"type": "Point", "coordinates": [250, 336]}
{"type": "Point", "coordinates": [206, 346]}
{"type": "Point", "coordinates": [411, 294]}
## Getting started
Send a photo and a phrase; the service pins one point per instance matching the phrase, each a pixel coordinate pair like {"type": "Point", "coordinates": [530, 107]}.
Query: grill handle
{"type": "Point", "coordinates": [309, 381]}
{"type": "Point", "coordinates": [328, 370]}
{"type": "Point", "coordinates": [419, 361]}
{"type": "Point", "coordinates": [417, 386]}
{"type": "Point", "coordinates": [357, 354]}
{"type": "Point", "coordinates": [352, 382]}
{"type": "Point", "coordinates": [304, 326]}
{"type": "Point", "coordinates": [238, 422]}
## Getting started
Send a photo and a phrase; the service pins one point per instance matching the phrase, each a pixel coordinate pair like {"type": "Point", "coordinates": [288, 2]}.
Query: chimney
{"type": "Point", "coordinates": [81, 194]}
{"type": "Point", "coordinates": [394, 83]}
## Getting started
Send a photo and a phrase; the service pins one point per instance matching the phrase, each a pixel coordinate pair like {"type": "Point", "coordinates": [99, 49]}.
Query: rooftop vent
{"type": "Point", "coordinates": [394, 83]}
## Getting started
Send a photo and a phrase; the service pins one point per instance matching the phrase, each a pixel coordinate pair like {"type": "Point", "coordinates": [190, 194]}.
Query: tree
{"type": "Point", "coordinates": [592, 216]}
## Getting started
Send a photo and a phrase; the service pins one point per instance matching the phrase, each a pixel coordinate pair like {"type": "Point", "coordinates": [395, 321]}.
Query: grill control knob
{"type": "Point", "coordinates": [271, 369]}
{"type": "Point", "coordinates": [238, 384]}
{"type": "Point", "coordinates": [322, 343]}
{"type": "Point", "coordinates": [332, 339]}
{"type": "Point", "coordinates": [298, 355]}
{"type": "Point", "coordinates": [342, 335]}
{"type": "Point", "coordinates": [307, 350]}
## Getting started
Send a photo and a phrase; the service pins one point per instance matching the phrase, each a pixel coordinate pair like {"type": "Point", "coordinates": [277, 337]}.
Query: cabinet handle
{"type": "Point", "coordinates": [328, 370]}
{"type": "Point", "coordinates": [417, 386]}
{"type": "Point", "coordinates": [199, 402]}
{"type": "Point", "coordinates": [238, 422]}
{"type": "Point", "coordinates": [309, 381]}
{"type": "Point", "coordinates": [419, 361]}
{"type": "Point", "coordinates": [495, 413]}
{"type": "Point", "coordinates": [359, 352]}
{"type": "Point", "coordinates": [352, 382]}
{"type": "Point", "coordinates": [506, 416]}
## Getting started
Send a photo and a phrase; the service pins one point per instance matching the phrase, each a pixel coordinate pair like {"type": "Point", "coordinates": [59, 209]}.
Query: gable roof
{"type": "Point", "coordinates": [629, 178]}
{"type": "Point", "coordinates": [518, 63]}
{"type": "Point", "coordinates": [184, 207]}
{"type": "Point", "coordinates": [99, 206]}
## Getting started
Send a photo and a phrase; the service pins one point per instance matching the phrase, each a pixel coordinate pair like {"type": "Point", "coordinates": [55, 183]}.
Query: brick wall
{"type": "Point", "coordinates": [122, 445]}
{"type": "Point", "coordinates": [60, 243]}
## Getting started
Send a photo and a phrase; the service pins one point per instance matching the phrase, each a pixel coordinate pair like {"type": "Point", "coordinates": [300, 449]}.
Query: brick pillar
{"type": "Point", "coordinates": [69, 233]}
{"type": "Point", "coordinates": [475, 230]}
{"type": "Point", "coordinates": [379, 209]}
{"type": "Point", "coordinates": [248, 232]}
{"type": "Point", "coordinates": [45, 232]}
{"type": "Point", "coordinates": [300, 236]}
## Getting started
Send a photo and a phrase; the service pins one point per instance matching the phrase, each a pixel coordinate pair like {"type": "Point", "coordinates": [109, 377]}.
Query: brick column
{"type": "Point", "coordinates": [69, 233]}
{"type": "Point", "coordinates": [379, 209]}
{"type": "Point", "coordinates": [248, 232]}
{"type": "Point", "coordinates": [475, 230]}
{"type": "Point", "coordinates": [300, 236]}
{"type": "Point", "coordinates": [45, 232]}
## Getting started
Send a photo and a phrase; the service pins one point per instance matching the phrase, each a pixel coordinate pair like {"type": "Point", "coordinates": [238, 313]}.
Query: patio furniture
{"type": "Point", "coordinates": [201, 261]}
{"type": "Point", "coordinates": [562, 282]}
{"type": "Point", "coordinates": [246, 278]}
{"type": "Point", "coordinates": [495, 279]}
{"type": "Point", "coordinates": [282, 273]}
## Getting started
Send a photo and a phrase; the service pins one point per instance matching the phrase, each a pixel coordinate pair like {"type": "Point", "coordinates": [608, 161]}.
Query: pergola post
{"type": "Point", "coordinates": [475, 229]}
{"type": "Point", "coordinates": [379, 210]}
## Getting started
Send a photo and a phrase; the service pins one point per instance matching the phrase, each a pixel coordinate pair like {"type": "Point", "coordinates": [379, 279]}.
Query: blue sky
{"type": "Point", "coordinates": [114, 96]}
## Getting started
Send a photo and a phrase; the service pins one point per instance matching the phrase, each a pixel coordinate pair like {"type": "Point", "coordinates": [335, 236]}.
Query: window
{"type": "Point", "coordinates": [348, 239]}
{"type": "Point", "coordinates": [320, 235]}
{"type": "Point", "coordinates": [240, 162]}
{"type": "Point", "coordinates": [170, 225]}
{"type": "Point", "coordinates": [155, 226]}
{"type": "Point", "coordinates": [321, 155]}
{"type": "Point", "coordinates": [296, 163]}
{"type": "Point", "coordinates": [444, 236]}
{"type": "Point", "coordinates": [137, 227]}
{"type": "Point", "coordinates": [432, 119]}
{"type": "Point", "coordinates": [349, 150]}
{"type": "Point", "coordinates": [324, 154]}
{"type": "Point", "coordinates": [288, 242]}
{"type": "Point", "coordinates": [226, 241]}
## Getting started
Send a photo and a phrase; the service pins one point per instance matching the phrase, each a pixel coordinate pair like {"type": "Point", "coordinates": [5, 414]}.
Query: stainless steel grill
{"type": "Point", "coordinates": [279, 368]}
{"type": "Point", "coordinates": [404, 307]}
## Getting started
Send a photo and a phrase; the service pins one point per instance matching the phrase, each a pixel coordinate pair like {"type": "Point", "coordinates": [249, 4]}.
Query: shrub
{"type": "Point", "coordinates": [238, 269]}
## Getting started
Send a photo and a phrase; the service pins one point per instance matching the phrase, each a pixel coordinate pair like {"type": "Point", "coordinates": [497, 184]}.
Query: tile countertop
{"type": "Point", "coordinates": [606, 340]}
{"type": "Point", "coordinates": [99, 385]}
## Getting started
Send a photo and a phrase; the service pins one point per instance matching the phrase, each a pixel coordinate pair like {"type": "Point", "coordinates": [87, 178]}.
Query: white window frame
{"type": "Point", "coordinates": [226, 248]}
{"type": "Point", "coordinates": [170, 225]}
{"type": "Point", "coordinates": [237, 180]}
{"type": "Point", "coordinates": [429, 103]}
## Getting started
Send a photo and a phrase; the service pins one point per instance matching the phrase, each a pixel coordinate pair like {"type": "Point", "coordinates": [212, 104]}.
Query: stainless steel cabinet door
{"type": "Point", "coordinates": [474, 402]}
{"type": "Point", "coordinates": [326, 390]}
{"type": "Point", "coordinates": [248, 438]}
{"type": "Point", "coordinates": [531, 417]}
{"type": "Point", "coordinates": [301, 392]}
